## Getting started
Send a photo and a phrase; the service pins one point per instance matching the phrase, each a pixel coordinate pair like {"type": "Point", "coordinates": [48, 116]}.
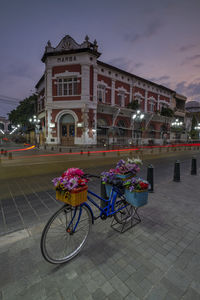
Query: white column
{"type": "Point", "coordinates": [85, 83]}
{"type": "Point", "coordinates": [158, 102]}
{"type": "Point", "coordinates": [48, 87]}
{"type": "Point", "coordinates": [48, 121]}
{"type": "Point", "coordinates": [145, 101]}
{"type": "Point", "coordinates": [95, 84]}
{"type": "Point", "coordinates": [113, 93]}
{"type": "Point", "coordinates": [131, 93]}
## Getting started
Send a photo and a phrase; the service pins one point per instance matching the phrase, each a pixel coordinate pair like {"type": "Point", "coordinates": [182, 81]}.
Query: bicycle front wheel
{"type": "Point", "coordinates": [65, 233]}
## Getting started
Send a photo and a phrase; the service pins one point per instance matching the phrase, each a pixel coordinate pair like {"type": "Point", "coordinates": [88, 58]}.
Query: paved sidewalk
{"type": "Point", "coordinates": [157, 259]}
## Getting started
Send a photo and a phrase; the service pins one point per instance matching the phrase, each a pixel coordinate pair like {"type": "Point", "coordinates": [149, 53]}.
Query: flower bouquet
{"type": "Point", "coordinates": [136, 191]}
{"type": "Point", "coordinates": [122, 171]}
{"type": "Point", "coordinates": [71, 187]}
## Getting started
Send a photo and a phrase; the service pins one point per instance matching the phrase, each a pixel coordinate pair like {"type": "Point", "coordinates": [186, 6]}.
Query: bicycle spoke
{"type": "Point", "coordinates": [59, 243]}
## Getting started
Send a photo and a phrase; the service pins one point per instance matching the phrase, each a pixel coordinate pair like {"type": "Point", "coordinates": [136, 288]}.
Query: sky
{"type": "Point", "coordinates": [157, 40]}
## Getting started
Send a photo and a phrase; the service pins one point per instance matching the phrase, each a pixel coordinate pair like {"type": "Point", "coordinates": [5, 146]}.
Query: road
{"type": "Point", "coordinates": [27, 195]}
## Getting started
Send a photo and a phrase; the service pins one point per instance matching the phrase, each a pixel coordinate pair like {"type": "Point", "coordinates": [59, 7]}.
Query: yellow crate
{"type": "Point", "coordinates": [75, 197]}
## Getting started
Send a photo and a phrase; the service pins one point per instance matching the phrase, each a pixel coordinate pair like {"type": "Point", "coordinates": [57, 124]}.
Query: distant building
{"type": "Point", "coordinates": [82, 100]}
{"type": "Point", "coordinates": [4, 124]}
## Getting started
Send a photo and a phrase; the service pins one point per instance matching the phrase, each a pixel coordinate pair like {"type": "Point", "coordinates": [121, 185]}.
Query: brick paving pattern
{"type": "Point", "coordinates": [157, 259]}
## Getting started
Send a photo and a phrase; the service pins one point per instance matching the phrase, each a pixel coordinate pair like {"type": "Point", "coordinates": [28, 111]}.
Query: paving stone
{"type": "Point", "coordinates": [132, 296]}
{"type": "Point", "coordinates": [119, 286]}
{"type": "Point", "coordinates": [98, 294]}
{"type": "Point", "coordinates": [83, 294]}
{"type": "Point", "coordinates": [57, 296]}
{"type": "Point", "coordinates": [33, 292]}
{"type": "Point", "coordinates": [115, 296]}
{"type": "Point", "coordinates": [191, 294]}
{"type": "Point", "coordinates": [175, 290]}
{"type": "Point", "coordinates": [178, 278]}
{"type": "Point", "coordinates": [155, 276]}
{"type": "Point", "coordinates": [107, 288]}
{"type": "Point", "coordinates": [157, 293]}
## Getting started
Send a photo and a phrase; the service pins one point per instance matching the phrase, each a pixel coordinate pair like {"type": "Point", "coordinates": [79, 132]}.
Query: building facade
{"type": "Point", "coordinates": [84, 101]}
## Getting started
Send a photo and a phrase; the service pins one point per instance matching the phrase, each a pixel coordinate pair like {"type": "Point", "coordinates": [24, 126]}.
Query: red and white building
{"type": "Point", "coordinates": [82, 100]}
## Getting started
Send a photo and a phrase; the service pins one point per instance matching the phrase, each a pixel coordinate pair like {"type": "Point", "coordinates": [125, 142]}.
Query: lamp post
{"type": "Point", "coordinates": [197, 128]}
{"type": "Point", "coordinates": [36, 123]}
{"type": "Point", "coordinates": [177, 125]}
{"type": "Point", "coordinates": [137, 117]}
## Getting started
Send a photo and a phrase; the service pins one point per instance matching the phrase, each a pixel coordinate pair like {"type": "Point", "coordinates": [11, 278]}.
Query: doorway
{"type": "Point", "coordinates": [67, 130]}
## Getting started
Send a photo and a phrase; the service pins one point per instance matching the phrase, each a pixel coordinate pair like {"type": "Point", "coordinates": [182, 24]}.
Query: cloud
{"type": "Point", "coordinates": [150, 30]}
{"type": "Point", "coordinates": [190, 59]}
{"type": "Point", "coordinates": [138, 65]}
{"type": "Point", "coordinates": [120, 62]}
{"type": "Point", "coordinates": [186, 47]}
{"type": "Point", "coordinates": [161, 78]}
{"type": "Point", "coordinates": [190, 90]}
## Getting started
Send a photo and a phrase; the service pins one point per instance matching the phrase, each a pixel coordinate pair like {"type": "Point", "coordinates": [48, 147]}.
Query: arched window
{"type": "Point", "coordinates": [101, 93]}
{"type": "Point", "coordinates": [67, 119]}
{"type": "Point", "coordinates": [1, 126]}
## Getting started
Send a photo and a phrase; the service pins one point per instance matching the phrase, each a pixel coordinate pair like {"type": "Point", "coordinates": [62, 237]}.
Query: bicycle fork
{"type": "Point", "coordinates": [70, 228]}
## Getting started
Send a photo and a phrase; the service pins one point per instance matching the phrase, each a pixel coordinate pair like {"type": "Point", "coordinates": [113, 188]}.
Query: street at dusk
{"type": "Point", "coordinates": [157, 259]}
{"type": "Point", "coordinates": [100, 150]}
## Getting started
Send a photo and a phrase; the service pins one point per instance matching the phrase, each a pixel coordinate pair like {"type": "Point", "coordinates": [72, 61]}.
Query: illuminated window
{"type": "Point", "coordinates": [67, 86]}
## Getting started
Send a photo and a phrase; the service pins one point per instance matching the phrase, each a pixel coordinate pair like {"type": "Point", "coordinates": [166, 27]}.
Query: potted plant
{"type": "Point", "coordinates": [71, 187]}
{"type": "Point", "coordinates": [122, 171]}
{"type": "Point", "coordinates": [136, 191]}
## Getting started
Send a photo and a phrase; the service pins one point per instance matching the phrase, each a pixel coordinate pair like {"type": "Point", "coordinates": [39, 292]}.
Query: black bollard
{"type": "Point", "coordinates": [150, 177]}
{"type": "Point", "coordinates": [2, 151]}
{"type": "Point", "coordinates": [103, 195]}
{"type": "Point", "coordinates": [177, 171]}
{"type": "Point", "coordinates": [194, 166]}
{"type": "Point", "coordinates": [70, 150]}
{"type": "Point", "coordinates": [60, 149]}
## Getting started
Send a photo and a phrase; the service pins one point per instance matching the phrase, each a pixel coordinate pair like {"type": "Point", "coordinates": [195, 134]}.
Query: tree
{"type": "Point", "coordinates": [133, 105]}
{"type": "Point", "coordinates": [25, 110]}
{"type": "Point", "coordinates": [194, 133]}
{"type": "Point", "coordinates": [167, 112]}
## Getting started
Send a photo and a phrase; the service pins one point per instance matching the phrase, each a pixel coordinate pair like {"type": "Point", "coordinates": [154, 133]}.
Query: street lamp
{"type": "Point", "coordinates": [177, 126]}
{"type": "Point", "coordinates": [36, 123]}
{"type": "Point", "coordinates": [197, 127]}
{"type": "Point", "coordinates": [138, 117]}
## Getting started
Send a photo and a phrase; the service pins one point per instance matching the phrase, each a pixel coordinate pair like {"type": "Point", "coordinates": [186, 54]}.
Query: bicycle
{"type": "Point", "coordinates": [69, 227]}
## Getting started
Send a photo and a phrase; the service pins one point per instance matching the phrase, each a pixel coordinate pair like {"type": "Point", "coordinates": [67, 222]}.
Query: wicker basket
{"type": "Point", "coordinates": [75, 197]}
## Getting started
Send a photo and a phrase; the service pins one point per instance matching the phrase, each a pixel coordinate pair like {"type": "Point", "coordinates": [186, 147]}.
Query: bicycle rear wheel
{"type": "Point", "coordinates": [124, 215]}
{"type": "Point", "coordinates": [65, 233]}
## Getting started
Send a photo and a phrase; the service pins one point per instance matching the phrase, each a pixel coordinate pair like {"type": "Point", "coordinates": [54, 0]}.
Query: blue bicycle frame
{"type": "Point", "coordinates": [109, 209]}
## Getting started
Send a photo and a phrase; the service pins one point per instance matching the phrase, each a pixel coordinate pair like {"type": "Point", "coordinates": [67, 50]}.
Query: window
{"type": "Point", "coordinates": [121, 97]}
{"type": "Point", "coordinates": [162, 105]}
{"type": "Point", "coordinates": [67, 86]}
{"type": "Point", "coordinates": [151, 106]}
{"type": "Point", "coordinates": [101, 92]}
